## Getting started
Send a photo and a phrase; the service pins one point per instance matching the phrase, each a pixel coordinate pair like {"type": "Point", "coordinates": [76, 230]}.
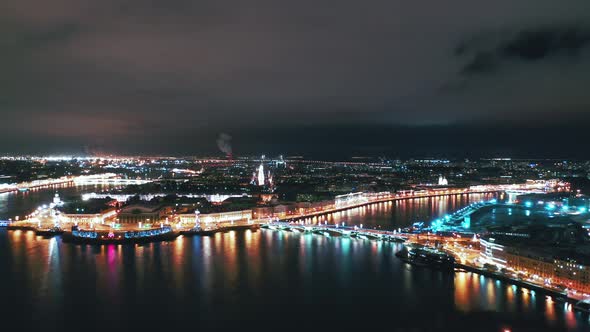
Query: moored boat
{"type": "Point", "coordinates": [49, 231]}
{"type": "Point", "coordinates": [426, 258]}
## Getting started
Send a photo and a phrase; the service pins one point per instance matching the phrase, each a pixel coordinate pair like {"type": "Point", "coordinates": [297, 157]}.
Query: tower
{"type": "Point", "coordinates": [261, 175]}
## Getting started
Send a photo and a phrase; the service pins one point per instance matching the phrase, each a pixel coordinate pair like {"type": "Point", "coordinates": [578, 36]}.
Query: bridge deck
{"type": "Point", "coordinates": [341, 230]}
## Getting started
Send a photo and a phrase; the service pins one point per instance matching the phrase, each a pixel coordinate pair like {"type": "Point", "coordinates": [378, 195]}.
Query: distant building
{"type": "Point", "coordinates": [259, 178]}
{"type": "Point", "coordinates": [221, 217]}
{"type": "Point", "coordinates": [280, 210]}
{"type": "Point", "coordinates": [262, 212]}
{"type": "Point", "coordinates": [144, 213]}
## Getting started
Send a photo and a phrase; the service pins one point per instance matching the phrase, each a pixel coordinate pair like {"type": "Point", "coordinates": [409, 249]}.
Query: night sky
{"type": "Point", "coordinates": [321, 78]}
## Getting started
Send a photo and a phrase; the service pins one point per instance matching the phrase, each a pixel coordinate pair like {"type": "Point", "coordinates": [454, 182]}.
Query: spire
{"type": "Point", "coordinates": [261, 175]}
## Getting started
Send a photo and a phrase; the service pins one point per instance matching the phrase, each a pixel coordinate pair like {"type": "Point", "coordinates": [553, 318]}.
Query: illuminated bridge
{"type": "Point", "coordinates": [462, 217]}
{"type": "Point", "coordinates": [513, 193]}
{"type": "Point", "coordinates": [338, 230]}
{"type": "Point", "coordinates": [109, 181]}
{"type": "Point", "coordinates": [95, 179]}
{"type": "Point", "coordinates": [38, 184]}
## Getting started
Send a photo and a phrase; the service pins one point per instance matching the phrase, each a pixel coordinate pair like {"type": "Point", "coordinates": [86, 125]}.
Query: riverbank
{"type": "Point", "coordinates": [555, 295]}
{"type": "Point", "coordinates": [559, 296]}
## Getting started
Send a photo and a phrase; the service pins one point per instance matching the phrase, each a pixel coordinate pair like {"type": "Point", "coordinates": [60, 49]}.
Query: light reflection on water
{"type": "Point", "coordinates": [246, 268]}
{"type": "Point", "coordinates": [245, 274]}
{"type": "Point", "coordinates": [401, 213]}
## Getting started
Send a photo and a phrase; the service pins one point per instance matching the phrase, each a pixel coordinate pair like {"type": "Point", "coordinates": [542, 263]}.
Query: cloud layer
{"type": "Point", "coordinates": [149, 75]}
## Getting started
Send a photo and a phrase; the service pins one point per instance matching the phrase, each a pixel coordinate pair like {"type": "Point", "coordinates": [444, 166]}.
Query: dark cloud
{"type": "Point", "coordinates": [533, 45]}
{"type": "Point", "coordinates": [527, 46]}
{"type": "Point", "coordinates": [481, 62]}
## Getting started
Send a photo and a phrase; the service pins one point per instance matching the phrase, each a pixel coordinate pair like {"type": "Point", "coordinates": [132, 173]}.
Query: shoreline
{"type": "Point", "coordinates": [520, 283]}
{"type": "Point", "coordinates": [554, 295]}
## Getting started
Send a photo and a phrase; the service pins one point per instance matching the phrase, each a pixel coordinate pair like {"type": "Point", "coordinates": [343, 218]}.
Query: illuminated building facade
{"type": "Point", "coordinates": [572, 274]}
{"type": "Point", "coordinates": [87, 218]}
{"type": "Point", "coordinates": [492, 252]}
{"type": "Point", "coordinates": [231, 216]}
{"type": "Point", "coordinates": [538, 264]}
{"type": "Point", "coordinates": [138, 213]}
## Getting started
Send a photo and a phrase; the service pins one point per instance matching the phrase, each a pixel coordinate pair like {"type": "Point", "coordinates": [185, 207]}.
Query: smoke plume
{"type": "Point", "coordinates": [224, 144]}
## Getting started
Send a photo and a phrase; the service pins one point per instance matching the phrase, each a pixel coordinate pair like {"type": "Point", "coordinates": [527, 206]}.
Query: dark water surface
{"type": "Point", "coordinates": [261, 280]}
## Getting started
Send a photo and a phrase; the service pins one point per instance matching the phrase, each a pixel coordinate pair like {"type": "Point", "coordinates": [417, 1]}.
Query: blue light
{"type": "Point", "coordinates": [582, 209]}
{"type": "Point", "coordinates": [493, 201]}
{"type": "Point", "coordinates": [565, 207]}
{"type": "Point", "coordinates": [528, 204]}
{"type": "Point", "coordinates": [550, 206]}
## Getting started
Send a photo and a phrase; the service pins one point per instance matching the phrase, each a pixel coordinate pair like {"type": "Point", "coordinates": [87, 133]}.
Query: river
{"type": "Point", "coordinates": [257, 280]}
